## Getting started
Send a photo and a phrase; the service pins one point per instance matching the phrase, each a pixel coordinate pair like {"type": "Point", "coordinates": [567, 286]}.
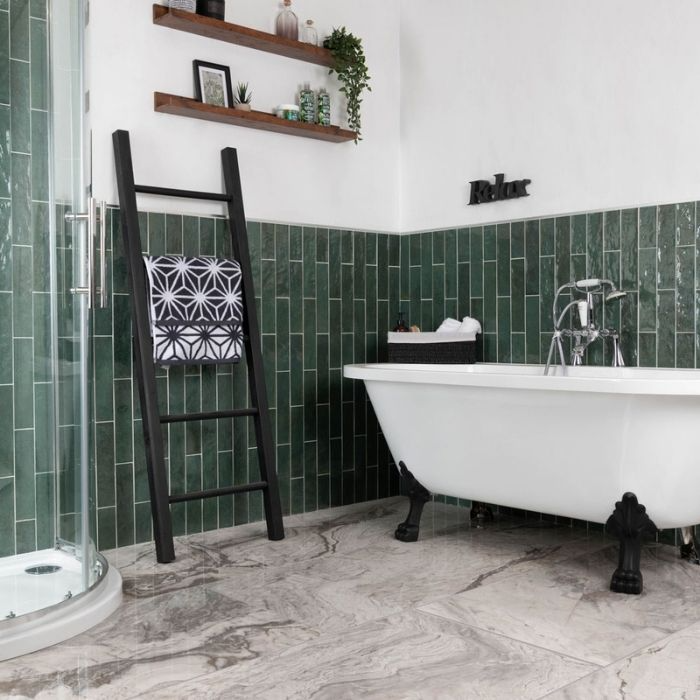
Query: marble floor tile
{"type": "Point", "coordinates": [404, 656]}
{"type": "Point", "coordinates": [566, 606]}
{"type": "Point", "coordinates": [341, 609]}
{"type": "Point", "coordinates": [667, 669]}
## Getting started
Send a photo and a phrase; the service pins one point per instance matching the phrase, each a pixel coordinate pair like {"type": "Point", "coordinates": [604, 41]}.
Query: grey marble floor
{"type": "Point", "coordinates": [340, 609]}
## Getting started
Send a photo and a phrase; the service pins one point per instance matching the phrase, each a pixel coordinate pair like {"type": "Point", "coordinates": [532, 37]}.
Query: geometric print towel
{"type": "Point", "coordinates": [196, 309]}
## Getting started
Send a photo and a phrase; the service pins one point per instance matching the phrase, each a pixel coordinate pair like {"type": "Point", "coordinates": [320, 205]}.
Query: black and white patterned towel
{"type": "Point", "coordinates": [196, 309]}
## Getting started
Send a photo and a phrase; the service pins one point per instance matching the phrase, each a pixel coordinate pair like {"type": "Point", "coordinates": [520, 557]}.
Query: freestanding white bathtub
{"type": "Point", "coordinates": [566, 445]}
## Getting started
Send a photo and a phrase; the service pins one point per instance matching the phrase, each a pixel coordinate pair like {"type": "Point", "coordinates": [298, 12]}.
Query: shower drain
{"type": "Point", "coordinates": [42, 569]}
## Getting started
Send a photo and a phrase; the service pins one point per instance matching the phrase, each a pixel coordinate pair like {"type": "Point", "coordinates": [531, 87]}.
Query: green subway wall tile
{"type": "Point", "coordinates": [104, 464]}
{"type": "Point", "coordinates": [426, 280]}
{"type": "Point", "coordinates": [21, 204]}
{"type": "Point", "coordinates": [26, 536]}
{"type": "Point", "coordinates": [7, 445]}
{"type": "Point", "coordinates": [490, 291]}
{"type": "Point", "coordinates": [532, 329]}
{"type": "Point", "coordinates": [562, 246]}
{"type": "Point", "coordinates": [594, 244]}
{"type": "Point", "coordinates": [267, 241]}
{"type": "Point", "coordinates": [322, 246]}
{"type": "Point", "coordinates": [517, 275]}
{"type": "Point", "coordinates": [532, 257]}
{"type": "Point", "coordinates": [174, 238]}
{"type": "Point", "coordinates": [346, 247]}
{"type": "Point", "coordinates": [45, 510]}
{"type": "Point", "coordinates": [666, 336]}
{"type": "Point", "coordinates": [40, 156]}
{"type": "Point", "coordinates": [359, 262]}
{"type": "Point", "coordinates": [476, 248]}
{"type": "Point", "coordinates": [685, 350]}
{"type": "Point", "coordinates": [19, 30]}
{"type": "Point", "coordinates": [504, 330]}
{"type": "Point", "coordinates": [546, 291]}
{"type": "Point", "coordinates": [685, 289]}
{"type": "Point", "coordinates": [125, 504]}
{"type": "Point", "coordinates": [547, 237]}
{"type": "Point", "coordinates": [490, 243]}
{"type": "Point", "coordinates": [647, 289]}
{"type": "Point", "coordinates": [156, 234]}
{"type": "Point", "coordinates": [4, 58]}
{"type": "Point", "coordinates": [296, 249]}
{"type": "Point", "coordinates": [647, 227]}
{"type": "Point", "coordinates": [7, 517]}
{"type": "Point", "coordinates": [24, 383]}
{"type": "Point", "coordinates": [578, 234]}
{"type": "Point", "coordinates": [282, 334]}
{"type": "Point", "coordinates": [647, 350]}
{"type": "Point", "coordinates": [666, 247]}
{"type": "Point", "coordinates": [282, 259]}
{"type": "Point", "coordinates": [503, 259]}
{"type": "Point", "coordinates": [22, 274]}
{"type": "Point", "coordinates": [685, 223]}
{"type": "Point", "coordinates": [517, 239]}
{"type": "Point", "coordinates": [611, 230]}
{"type": "Point", "coordinates": [394, 250]}
{"type": "Point", "coordinates": [20, 108]}
{"type": "Point", "coordinates": [25, 475]}
{"type": "Point", "coordinates": [207, 245]}
{"type": "Point", "coordinates": [629, 245]}
{"type": "Point", "coordinates": [438, 247]}
{"type": "Point", "coordinates": [6, 263]}
{"type": "Point", "coordinates": [107, 528]}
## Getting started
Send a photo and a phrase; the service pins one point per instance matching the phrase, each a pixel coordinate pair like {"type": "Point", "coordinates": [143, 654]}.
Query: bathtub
{"type": "Point", "coordinates": [565, 445]}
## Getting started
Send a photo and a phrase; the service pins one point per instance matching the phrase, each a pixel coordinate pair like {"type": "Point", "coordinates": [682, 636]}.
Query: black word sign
{"type": "Point", "coordinates": [484, 191]}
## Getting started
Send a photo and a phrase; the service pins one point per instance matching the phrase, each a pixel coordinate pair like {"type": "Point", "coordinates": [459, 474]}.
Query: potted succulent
{"type": "Point", "coordinates": [242, 97]}
{"type": "Point", "coordinates": [349, 64]}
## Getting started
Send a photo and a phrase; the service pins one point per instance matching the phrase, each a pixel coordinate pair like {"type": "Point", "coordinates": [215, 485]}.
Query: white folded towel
{"type": "Point", "coordinates": [449, 325]}
{"type": "Point", "coordinates": [469, 325]}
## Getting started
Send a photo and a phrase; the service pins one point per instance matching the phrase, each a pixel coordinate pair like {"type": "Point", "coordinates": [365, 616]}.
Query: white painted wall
{"type": "Point", "coordinates": [596, 102]}
{"type": "Point", "coordinates": [285, 178]}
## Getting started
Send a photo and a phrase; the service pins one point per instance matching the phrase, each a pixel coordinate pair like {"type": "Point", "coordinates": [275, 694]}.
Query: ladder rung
{"type": "Point", "coordinates": [224, 491]}
{"type": "Point", "coordinates": [186, 194]}
{"type": "Point", "coordinates": [184, 417]}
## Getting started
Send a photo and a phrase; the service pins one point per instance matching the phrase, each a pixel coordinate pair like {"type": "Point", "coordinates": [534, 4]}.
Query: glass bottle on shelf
{"type": "Point", "coordinates": [309, 35]}
{"type": "Point", "coordinates": [287, 24]}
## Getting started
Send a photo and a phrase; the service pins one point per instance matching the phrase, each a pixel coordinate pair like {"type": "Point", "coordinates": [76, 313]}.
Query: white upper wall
{"type": "Point", "coordinates": [596, 102]}
{"type": "Point", "coordinates": [285, 178]}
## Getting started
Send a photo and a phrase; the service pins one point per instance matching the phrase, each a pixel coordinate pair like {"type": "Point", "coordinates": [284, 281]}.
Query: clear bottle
{"type": "Point", "coordinates": [287, 24]}
{"type": "Point", "coordinates": [323, 110]}
{"type": "Point", "coordinates": [309, 35]}
{"type": "Point", "coordinates": [307, 104]}
{"type": "Point", "coordinates": [184, 5]}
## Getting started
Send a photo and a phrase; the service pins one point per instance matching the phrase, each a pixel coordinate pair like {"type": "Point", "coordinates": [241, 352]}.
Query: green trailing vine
{"type": "Point", "coordinates": [351, 68]}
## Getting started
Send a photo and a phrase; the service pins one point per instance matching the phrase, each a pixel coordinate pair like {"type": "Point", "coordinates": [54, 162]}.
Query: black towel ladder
{"type": "Point", "coordinates": [152, 420]}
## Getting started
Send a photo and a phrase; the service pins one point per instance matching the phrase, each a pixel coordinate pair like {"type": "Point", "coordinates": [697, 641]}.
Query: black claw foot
{"type": "Point", "coordinates": [629, 523]}
{"type": "Point", "coordinates": [481, 513]}
{"type": "Point", "coordinates": [407, 531]}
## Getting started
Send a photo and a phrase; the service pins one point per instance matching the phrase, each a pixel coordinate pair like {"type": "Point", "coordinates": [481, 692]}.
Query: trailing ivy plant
{"type": "Point", "coordinates": [349, 64]}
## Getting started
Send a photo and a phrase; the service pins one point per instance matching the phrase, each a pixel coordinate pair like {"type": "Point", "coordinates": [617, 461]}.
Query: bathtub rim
{"type": "Point", "coordinates": [609, 380]}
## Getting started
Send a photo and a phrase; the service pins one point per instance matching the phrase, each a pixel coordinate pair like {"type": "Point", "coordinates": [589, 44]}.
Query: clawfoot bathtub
{"type": "Point", "coordinates": [597, 441]}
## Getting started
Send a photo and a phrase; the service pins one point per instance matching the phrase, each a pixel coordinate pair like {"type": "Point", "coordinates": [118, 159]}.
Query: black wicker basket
{"type": "Point", "coordinates": [454, 352]}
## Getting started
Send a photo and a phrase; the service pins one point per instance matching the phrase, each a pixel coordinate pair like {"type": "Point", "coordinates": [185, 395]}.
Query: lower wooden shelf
{"type": "Point", "coordinates": [187, 107]}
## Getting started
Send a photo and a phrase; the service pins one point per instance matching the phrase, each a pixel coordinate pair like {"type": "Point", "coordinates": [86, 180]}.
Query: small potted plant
{"type": "Point", "coordinates": [242, 97]}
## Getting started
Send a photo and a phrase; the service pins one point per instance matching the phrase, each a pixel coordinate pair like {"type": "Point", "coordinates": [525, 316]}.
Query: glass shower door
{"type": "Point", "coordinates": [78, 235]}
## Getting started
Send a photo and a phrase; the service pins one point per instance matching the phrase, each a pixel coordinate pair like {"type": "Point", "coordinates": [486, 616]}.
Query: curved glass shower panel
{"type": "Point", "coordinates": [46, 553]}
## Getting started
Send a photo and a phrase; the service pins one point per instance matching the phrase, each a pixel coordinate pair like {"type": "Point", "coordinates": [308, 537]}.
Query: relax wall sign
{"type": "Point", "coordinates": [485, 191]}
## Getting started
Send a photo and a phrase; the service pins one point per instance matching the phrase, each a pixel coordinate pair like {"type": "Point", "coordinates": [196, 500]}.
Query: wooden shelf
{"type": "Point", "coordinates": [242, 36]}
{"type": "Point", "coordinates": [187, 107]}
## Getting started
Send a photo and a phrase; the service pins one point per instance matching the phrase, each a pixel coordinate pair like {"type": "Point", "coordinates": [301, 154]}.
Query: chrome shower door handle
{"type": "Point", "coordinates": [93, 218]}
{"type": "Point", "coordinates": [102, 219]}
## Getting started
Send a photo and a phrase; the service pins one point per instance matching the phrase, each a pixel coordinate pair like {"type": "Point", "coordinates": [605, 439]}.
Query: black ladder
{"type": "Point", "coordinates": [143, 352]}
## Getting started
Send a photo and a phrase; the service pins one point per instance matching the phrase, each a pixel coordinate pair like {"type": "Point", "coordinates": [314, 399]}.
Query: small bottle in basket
{"type": "Point", "coordinates": [401, 326]}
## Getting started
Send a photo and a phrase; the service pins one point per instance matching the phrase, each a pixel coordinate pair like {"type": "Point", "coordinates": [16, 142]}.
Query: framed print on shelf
{"type": "Point", "coordinates": [212, 84]}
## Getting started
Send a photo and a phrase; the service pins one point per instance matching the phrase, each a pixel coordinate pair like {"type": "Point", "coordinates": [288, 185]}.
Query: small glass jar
{"type": "Point", "coordinates": [287, 24]}
{"type": "Point", "coordinates": [184, 5]}
{"type": "Point", "coordinates": [309, 35]}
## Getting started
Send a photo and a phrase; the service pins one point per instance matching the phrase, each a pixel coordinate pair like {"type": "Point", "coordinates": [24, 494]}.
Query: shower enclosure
{"type": "Point", "coordinates": [53, 582]}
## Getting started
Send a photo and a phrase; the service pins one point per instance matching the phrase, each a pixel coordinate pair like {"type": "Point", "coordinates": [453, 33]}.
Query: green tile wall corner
{"type": "Point", "coordinates": [325, 298]}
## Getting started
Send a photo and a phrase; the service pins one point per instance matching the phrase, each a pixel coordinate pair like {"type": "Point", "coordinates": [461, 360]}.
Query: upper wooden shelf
{"type": "Point", "coordinates": [243, 36]}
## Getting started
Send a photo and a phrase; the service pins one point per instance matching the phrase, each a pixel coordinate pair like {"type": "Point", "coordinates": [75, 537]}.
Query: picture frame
{"type": "Point", "coordinates": [212, 83]}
